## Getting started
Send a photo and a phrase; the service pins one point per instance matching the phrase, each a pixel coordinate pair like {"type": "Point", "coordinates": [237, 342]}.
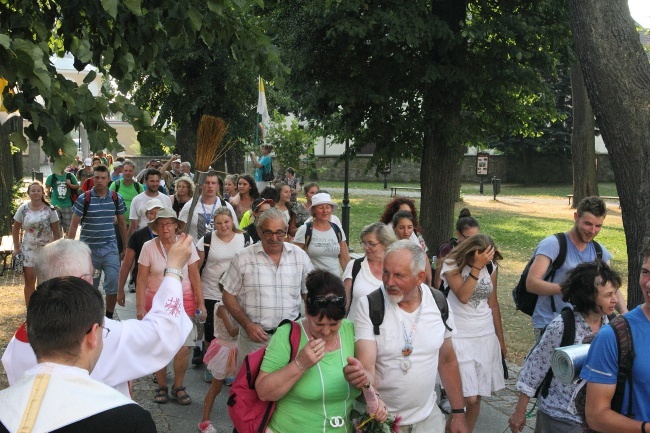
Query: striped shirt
{"type": "Point", "coordinates": [97, 227]}
{"type": "Point", "coordinates": [268, 294]}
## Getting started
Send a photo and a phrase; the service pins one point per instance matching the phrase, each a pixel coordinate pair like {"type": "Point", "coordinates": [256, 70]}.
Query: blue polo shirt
{"type": "Point", "coordinates": [97, 227]}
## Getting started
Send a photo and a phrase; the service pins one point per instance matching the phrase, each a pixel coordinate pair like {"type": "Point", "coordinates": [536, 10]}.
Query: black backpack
{"type": "Point", "coordinates": [525, 301]}
{"type": "Point", "coordinates": [310, 228]}
{"type": "Point", "coordinates": [136, 185]}
{"type": "Point", "coordinates": [377, 308]}
{"type": "Point", "coordinates": [356, 267]}
{"type": "Point", "coordinates": [626, 356]}
{"type": "Point", "coordinates": [207, 238]}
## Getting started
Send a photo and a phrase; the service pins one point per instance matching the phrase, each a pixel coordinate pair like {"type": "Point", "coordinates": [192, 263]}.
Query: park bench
{"type": "Point", "coordinates": [395, 189]}
{"type": "Point", "coordinates": [604, 197]}
{"type": "Point", "coordinates": [6, 248]}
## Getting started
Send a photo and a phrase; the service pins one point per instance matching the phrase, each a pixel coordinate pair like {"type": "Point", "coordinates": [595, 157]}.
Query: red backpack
{"type": "Point", "coordinates": [248, 413]}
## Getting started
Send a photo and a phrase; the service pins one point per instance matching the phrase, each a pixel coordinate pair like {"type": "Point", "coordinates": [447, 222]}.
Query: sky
{"type": "Point", "coordinates": [640, 10]}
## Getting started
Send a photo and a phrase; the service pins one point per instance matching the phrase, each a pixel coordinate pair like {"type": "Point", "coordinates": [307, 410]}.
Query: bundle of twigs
{"type": "Point", "coordinates": [209, 136]}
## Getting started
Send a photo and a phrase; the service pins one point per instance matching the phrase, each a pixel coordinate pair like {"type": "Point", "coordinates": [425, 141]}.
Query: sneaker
{"type": "Point", "coordinates": [197, 357]}
{"type": "Point", "coordinates": [207, 427]}
{"type": "Point", "coordinates": [229, 380]}
{"type": "Point", "coordinates": [207, 375]}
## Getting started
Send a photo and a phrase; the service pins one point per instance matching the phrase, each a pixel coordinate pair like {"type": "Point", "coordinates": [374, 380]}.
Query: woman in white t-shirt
{"type": "Point", "coordinates": [226, 240]}
{"type": "Point", "coordinates": [470, 271]}
{"type": "Point", "coordinates": [375, 239]}
{"type": "Point", "coordinates": [325, 249]}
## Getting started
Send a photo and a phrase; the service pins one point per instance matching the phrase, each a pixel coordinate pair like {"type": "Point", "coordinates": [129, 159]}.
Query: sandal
{"type": "Point", "coordinates": [162, 395]}
{"type": "Point", "coordinates": [181, 399]}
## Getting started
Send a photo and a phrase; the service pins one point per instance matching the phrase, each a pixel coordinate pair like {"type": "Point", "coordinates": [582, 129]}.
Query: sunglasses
{"type": "Point", "coordinates": [324, 302]}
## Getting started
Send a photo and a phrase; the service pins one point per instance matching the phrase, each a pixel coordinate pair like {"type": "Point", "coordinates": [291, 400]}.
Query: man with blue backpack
{"type": "Point", "coordinates": [558, 254]}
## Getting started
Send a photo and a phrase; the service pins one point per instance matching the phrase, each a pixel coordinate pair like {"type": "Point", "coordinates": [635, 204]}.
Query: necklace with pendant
{"type": "Point", "coordinates": [407, 350]}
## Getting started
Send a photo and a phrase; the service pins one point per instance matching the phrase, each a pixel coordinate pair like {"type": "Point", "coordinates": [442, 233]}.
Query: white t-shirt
{"type": "Point", "coordinates": [473, 319]}
{"type": "Point", "coordinates": [139, 205]}
{"type": "Point", "coordinates": [203, 213]}
{"type": "Point", "coordinates": [412, 395]}
{"type": "Point", "coordinates": [219, 258]}
{"type": "Point", "coordinates": [323, 249]}
{"type": "Point", "coordinates": [364, 284]}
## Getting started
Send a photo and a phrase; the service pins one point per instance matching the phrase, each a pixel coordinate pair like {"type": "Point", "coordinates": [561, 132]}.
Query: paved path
{"type": "Point", "coordinates": [174, 418]}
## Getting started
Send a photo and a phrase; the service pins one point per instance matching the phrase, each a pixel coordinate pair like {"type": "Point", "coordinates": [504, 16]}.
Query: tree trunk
{"type": "Point", "coordinates": [583, 140]}
{"type": "Point", "coordinates": [617, 77]}
{"type": "Point", "coordinates": [6, 177]}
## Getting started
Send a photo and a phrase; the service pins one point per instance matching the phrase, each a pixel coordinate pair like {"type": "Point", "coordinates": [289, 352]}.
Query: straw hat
{"type": "Point", "coordinates": [166, 213]}
{"type": "Point", "coordinates": [323, 198]}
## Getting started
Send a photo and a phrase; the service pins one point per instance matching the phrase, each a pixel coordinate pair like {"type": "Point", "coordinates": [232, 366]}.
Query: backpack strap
{"type": "Point", "coordinates": [337, 230]}
{"type": "Point", "coordinates": [247, 239]}
{"type": "Point", "coordinates": [207, 238]}
{"type": "Point", "coordinates": [568, 338]}
{"type": "Point", "coordinates": [117, 185]}
{"type": "Point", "coordinates": [356, 267]}
{"type": "Point", "coordinates": [557, 263]}
{"type": "Point", "coordinates": [376, 309]}
{"type": "Point", "coordinates": [308, 229]}
{"type": "Point", "coordinates": [137, 186]}
{"type": "Point", "coordinates": [86, 205]}
{"type": "Point", "coordinates": [599, 250]}
{"type": "Point", "coordinates": [294, 338]}
{"type": "Point", "coordinates": [443, 306]}
{"type": "Point", "coordinates": [626, 355]}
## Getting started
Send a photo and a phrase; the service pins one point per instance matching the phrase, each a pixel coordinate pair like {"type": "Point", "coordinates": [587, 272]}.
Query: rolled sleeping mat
{"type": "Point", "coordinates": [568, 361]}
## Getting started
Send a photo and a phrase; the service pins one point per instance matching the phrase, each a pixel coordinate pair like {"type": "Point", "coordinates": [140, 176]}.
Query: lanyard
{"type": "Point", "coordinates": [205, 213]}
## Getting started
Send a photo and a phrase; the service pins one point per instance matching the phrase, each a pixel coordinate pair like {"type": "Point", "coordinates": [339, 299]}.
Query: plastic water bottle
{"type": "Point", "coordinates": [198, 316]}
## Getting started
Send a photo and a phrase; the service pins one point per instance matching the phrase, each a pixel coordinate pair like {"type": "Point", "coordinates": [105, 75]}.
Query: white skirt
{"type": "Point", "coordinates": [479, 361]}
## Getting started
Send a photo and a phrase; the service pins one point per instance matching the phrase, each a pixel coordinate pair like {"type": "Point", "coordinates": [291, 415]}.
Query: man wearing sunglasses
{"type": "Point", "coordinates": [265, 283]}
{"type": "Point", "coordinates": [65, 323]}
{"type": "Point", "coordinates": [133, 348]}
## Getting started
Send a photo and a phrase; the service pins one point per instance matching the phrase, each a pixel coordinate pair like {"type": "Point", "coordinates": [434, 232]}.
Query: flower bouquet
{"type": "Point", "coordinates": [365, 423]}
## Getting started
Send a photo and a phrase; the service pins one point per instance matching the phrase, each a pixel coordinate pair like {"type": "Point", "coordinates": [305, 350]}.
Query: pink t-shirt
{"type": "Point", "coordinates": [151, 256]}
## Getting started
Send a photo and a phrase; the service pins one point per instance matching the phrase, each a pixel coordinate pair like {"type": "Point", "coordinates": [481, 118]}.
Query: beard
{"type": "Point", "coordinates": [395, 299]}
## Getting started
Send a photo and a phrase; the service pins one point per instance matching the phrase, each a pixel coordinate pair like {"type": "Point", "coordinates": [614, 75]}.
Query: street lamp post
{"type": "Point", "coordinates": [345, 209]}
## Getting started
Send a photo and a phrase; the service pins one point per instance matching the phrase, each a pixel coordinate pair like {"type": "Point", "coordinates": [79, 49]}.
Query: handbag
{"type": "Point", "coordinates": [268, 176]}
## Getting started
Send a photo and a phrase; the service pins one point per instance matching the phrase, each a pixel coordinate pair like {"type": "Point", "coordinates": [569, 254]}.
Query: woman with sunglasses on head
{"type": "Point", "coordinates": [466, 226]}
{"type": "Point", "coordinates": [591, 288]}
{"type": "Point", "coordinates": [471, 274]}
{"type": "Point", "coordinates": [375, 239]}
{"type": "Point", "coordinates": [311, 391]}
{"type": "Point", "coordinates": [151, 271]}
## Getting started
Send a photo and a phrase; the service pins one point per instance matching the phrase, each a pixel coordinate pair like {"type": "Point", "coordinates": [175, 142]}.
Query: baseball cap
{"type": "Point", "coordinates": [177, 160]}
{"type": "Point", "coordinates": [88, 162]}
{"type": "Point", "coordinates": [117, 164]}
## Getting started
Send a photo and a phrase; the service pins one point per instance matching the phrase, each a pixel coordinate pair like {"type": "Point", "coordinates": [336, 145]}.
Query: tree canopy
{"type": "Point", "coordinates": [123, 40]}
{"type": "Point", "coordinates": [423, 79]}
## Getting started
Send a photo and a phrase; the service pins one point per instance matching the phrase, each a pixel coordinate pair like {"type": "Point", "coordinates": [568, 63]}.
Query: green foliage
{"type": "Point", "coordinates": [124, 42]}
{"type": "Point", "coordinates": [293, 144]}
{"type": "Point", "coordinates": [382, 70]}
{"type": "Point", "coordinates": [17, 197]}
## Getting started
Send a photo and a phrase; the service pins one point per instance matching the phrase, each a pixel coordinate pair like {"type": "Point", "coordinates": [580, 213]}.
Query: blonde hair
{"type": "Point", "coordinates": [188, 181]}
{"type": "Point", "coordinates": [463, 252]}
{"type": "Point", "coordinates": [223, 210]}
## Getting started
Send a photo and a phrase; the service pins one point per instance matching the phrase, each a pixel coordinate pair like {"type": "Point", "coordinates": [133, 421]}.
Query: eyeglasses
{"type": "Point", "coordinates": [165, 225]}
{"type": "Point", "coordinates": [324, 302]}
{"type": "Point", "coordinates": [105, 330]}
{"type": "Point", "coordinates": [279, 234]}
{"type": "Point", "coordinates": [368, 244]}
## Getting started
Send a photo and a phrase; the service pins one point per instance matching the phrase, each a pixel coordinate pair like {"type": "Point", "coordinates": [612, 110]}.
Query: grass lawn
{"type": "Point", "coordinates": [517, 222]}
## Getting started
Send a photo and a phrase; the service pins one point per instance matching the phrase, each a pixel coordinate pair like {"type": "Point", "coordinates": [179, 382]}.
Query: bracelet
{"type": "Point", "coordinates": [470, 275]}
{"type": "Point", "coordinates": [478, 269]}
{"type": "Point", "coordinates": [302, 370]}
{"type": "Point", "coordinates": [463, 410]}
{"type": "Point", "coordinates": [173, 271]}
{"type": "Point", "coordinates": [643, 426]}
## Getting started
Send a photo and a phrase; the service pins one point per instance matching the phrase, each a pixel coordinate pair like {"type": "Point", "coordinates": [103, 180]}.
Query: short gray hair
{"type": "Point", "coordinates": [63, 258]}
{"type": "Point", "coordinates": [418, 258]}
{"type": "Point", "coordinates": [129, 162]}
{"type": "Point", "coordinates": [186, 164]}
{"type": "Point", "coordinates": [385, 235]}
{"type": "Point", "coordinates": [270, 214]}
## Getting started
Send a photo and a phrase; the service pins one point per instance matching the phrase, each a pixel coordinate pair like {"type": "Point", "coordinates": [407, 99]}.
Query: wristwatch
{"type": "Point", "coordinates": [463, 410]}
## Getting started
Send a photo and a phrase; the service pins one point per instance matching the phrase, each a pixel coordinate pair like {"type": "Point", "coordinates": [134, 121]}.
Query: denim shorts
{"type": "Point", "coordinates": [106, 258]}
